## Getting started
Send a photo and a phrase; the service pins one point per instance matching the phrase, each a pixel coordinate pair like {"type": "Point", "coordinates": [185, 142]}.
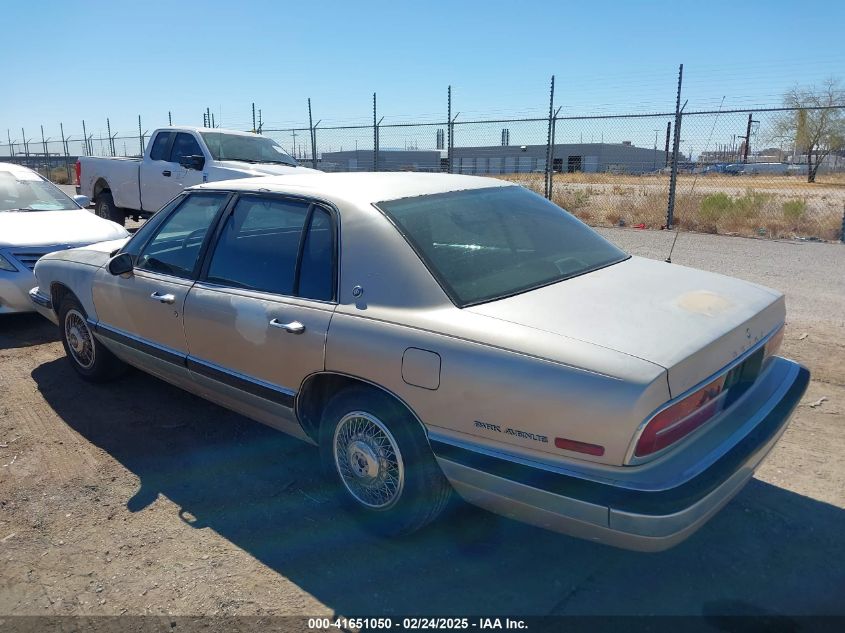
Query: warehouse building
{"type": "Point", "coordinates": [622, 158]}
{"type": "Point", "coordinates": [388, 160]}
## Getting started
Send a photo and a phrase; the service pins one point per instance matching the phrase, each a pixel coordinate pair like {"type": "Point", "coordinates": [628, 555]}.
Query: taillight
{"type": "Point", "coordinates": [682, 418]}
{"type": "Point", "coordinates": [78, 173]}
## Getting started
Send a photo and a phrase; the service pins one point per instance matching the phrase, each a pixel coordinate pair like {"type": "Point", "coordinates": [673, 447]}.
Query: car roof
{"type": "Point", "coordinates": [17, 170]}
{"type": "Point", "coordinates": [359, 187]}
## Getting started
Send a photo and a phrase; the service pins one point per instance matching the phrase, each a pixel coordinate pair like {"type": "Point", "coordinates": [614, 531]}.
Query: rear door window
{"type": "Point", "coordinates": [284, 247]}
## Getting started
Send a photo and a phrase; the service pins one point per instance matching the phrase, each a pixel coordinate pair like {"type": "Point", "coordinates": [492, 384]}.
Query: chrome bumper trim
{"type": "Point", "coordinates": [40, 300]}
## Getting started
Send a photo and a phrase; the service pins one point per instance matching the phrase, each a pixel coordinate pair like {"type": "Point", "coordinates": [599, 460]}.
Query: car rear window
{"type": "Point", "coordinates": [486, 244]}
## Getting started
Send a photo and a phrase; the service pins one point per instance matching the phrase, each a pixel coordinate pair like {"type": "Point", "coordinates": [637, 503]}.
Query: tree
{"type": "Point", "coordinates": [815, 124]}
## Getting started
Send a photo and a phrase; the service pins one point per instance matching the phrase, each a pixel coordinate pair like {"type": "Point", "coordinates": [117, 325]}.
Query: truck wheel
{"type": "Point", "coordinates": [105, 209]}
{"type": "Point", "coordinates": [89, 357]}
{"type": "Point", "coordinates": [376, 451]}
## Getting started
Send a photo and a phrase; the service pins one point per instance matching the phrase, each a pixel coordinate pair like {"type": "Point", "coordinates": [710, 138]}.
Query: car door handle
{"type": "Point", "coordinates": [294, 327]}
{"type": "Point", "coordinates": [163, 298]}
{"type": "Point", "coordinates": [166, 172]}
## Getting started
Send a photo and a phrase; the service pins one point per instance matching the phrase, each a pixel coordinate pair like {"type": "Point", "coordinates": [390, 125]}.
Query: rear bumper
{"type": "Point", "coordinates": [624, 513]}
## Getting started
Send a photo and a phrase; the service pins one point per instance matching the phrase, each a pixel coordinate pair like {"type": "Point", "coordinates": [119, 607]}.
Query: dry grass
{"type": "Point", "coordinates": [764, 205]}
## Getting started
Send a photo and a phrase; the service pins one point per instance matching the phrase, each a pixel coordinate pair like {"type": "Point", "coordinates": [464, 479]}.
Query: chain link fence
{"type": "Point", "coordinates": [762, 172]}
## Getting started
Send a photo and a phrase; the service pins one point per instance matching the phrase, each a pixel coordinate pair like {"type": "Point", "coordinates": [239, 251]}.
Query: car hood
{"type": "Point", "coordinates": [260, 169]}
{"type": "Point", "coordinates": [690, 322]}
{"type": "Point", "coordinates": [38, 228]}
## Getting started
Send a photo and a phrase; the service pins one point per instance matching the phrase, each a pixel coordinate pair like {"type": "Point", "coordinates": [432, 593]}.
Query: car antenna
{"type": "Point", "coordinates": [668, 260]}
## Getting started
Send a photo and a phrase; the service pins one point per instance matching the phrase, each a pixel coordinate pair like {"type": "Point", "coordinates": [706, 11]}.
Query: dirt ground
{"type": "Point", "coordinates": [137, 498]}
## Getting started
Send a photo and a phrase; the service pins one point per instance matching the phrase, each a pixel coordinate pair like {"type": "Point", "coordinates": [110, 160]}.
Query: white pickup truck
{"type": "Point", "coordinates": [176, 158]}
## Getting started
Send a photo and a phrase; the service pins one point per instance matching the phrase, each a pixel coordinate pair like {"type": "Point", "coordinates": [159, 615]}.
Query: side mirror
{"type": "Point", "coordinates": [193, 162]}
{"type": "Point", "coordinates": [121, 264]}
{"type": "Point", "coordinates": [82, 201]}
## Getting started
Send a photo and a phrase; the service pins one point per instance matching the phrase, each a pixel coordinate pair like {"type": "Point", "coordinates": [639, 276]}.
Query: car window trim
{"type": "Point", "coordinates": [312, 203]}
{"type": "Point", "coordinates": [206, 240]}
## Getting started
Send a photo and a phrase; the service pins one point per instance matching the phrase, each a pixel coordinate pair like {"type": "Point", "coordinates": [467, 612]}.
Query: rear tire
{"type": "Point", "coordinates": [86, 354]}
{"type": "Point", "coordinates": [105, 208]}
{"type": "Point", "coordinates": [377, 453]}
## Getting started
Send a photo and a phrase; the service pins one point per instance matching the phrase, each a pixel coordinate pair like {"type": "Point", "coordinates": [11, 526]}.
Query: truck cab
{"type": "Point", "coordinates": [176, 158]}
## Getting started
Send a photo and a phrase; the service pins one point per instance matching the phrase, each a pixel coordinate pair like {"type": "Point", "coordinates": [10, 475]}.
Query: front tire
{"type": "Point", "coordinates": [86, 354]}
{"type": "Point", "coordinates": [106, 209]}
{"type": "Point", "coordinates": [377, 453]}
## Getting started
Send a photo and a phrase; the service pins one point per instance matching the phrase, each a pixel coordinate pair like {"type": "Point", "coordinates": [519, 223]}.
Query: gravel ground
{"type": "Point", "coordinates": [138, 498]}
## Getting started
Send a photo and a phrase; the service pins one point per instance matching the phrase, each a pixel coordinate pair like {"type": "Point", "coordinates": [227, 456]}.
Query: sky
{"type": "Point", "coordinates": [69, 61]}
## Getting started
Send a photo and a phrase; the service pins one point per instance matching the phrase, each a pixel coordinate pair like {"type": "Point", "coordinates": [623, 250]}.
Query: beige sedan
{"type": "Point", "coordinates": [436, 332]}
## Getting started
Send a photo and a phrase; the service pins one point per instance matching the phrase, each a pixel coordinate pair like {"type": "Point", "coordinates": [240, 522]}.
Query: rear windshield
{"type": "Point", "coordinates": [485, 244]}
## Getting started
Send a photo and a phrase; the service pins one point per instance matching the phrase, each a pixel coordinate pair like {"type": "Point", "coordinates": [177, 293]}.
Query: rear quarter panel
{"type": "Point", "coordinates": [499, 398]}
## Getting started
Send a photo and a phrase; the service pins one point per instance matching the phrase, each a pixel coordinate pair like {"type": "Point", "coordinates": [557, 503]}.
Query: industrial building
{"type": "Point", "coordinates": [388, 160]}
{"type": "Point", "coordinates": [568, 158]}
{"type": "Point", "coordinates": [505, 159]}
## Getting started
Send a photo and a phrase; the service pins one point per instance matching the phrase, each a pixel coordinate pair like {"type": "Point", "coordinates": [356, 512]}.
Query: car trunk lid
{"type": "Point", "coordinates": [691, 322]}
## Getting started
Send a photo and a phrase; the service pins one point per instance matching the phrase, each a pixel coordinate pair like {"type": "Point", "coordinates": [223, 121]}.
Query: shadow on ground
{"type": "Point", "coordinates": [25, 330]}
{"type": "Point", "coordinates": [769, 551]}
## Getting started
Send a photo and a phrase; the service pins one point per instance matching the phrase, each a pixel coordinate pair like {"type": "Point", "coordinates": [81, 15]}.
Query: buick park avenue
{"type": "Point", "coordinates": [433, 333]}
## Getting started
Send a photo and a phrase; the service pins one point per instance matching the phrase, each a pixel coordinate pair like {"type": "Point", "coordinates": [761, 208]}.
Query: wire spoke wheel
{"type": "Point", "coordinates": [80, 341]}
{"type": "Point", "coordinates": [368, 460]}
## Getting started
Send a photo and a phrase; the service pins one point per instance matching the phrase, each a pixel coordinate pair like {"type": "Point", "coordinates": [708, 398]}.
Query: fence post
{"type": "Point", "coordinates": [548, 182]}
{"type": "Point", "coordinates": [673, 178]}
{"type": "Point", "coordinates": [842, 232]}
{"type": "Point", "coordinates": [111, 140]}
{"type": "Point", "coordinates": [66, 153]}
{"type": "Point", "coordinates": [11, 146]}
{"type": "Point", "coordinates": [25, 145]}
{"type": "Point", "coordinates": [46, 154]}
{"type": "Point", "coordinates": [375, 136]}
{"type": "Point", "coordinates": [449, 130]}
{"type": "Point", "coordinates": [169, 118]}
{"type": "Point", "coordinates": [313, 129]}
{"type": "Point", "coordinates": [140, 136]}
{"type": "Point", "coordinates": [86, 148]}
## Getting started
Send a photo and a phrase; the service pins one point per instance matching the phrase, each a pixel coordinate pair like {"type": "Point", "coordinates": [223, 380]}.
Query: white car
{"type": "Point", "coordinates": [37, 218]}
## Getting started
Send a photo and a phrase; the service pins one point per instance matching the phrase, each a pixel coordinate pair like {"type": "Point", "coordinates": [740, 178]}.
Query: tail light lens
{"type": "Point", "coordinates": [78, 173]}
{"type": "Point", "coordinates": [682, 418]}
